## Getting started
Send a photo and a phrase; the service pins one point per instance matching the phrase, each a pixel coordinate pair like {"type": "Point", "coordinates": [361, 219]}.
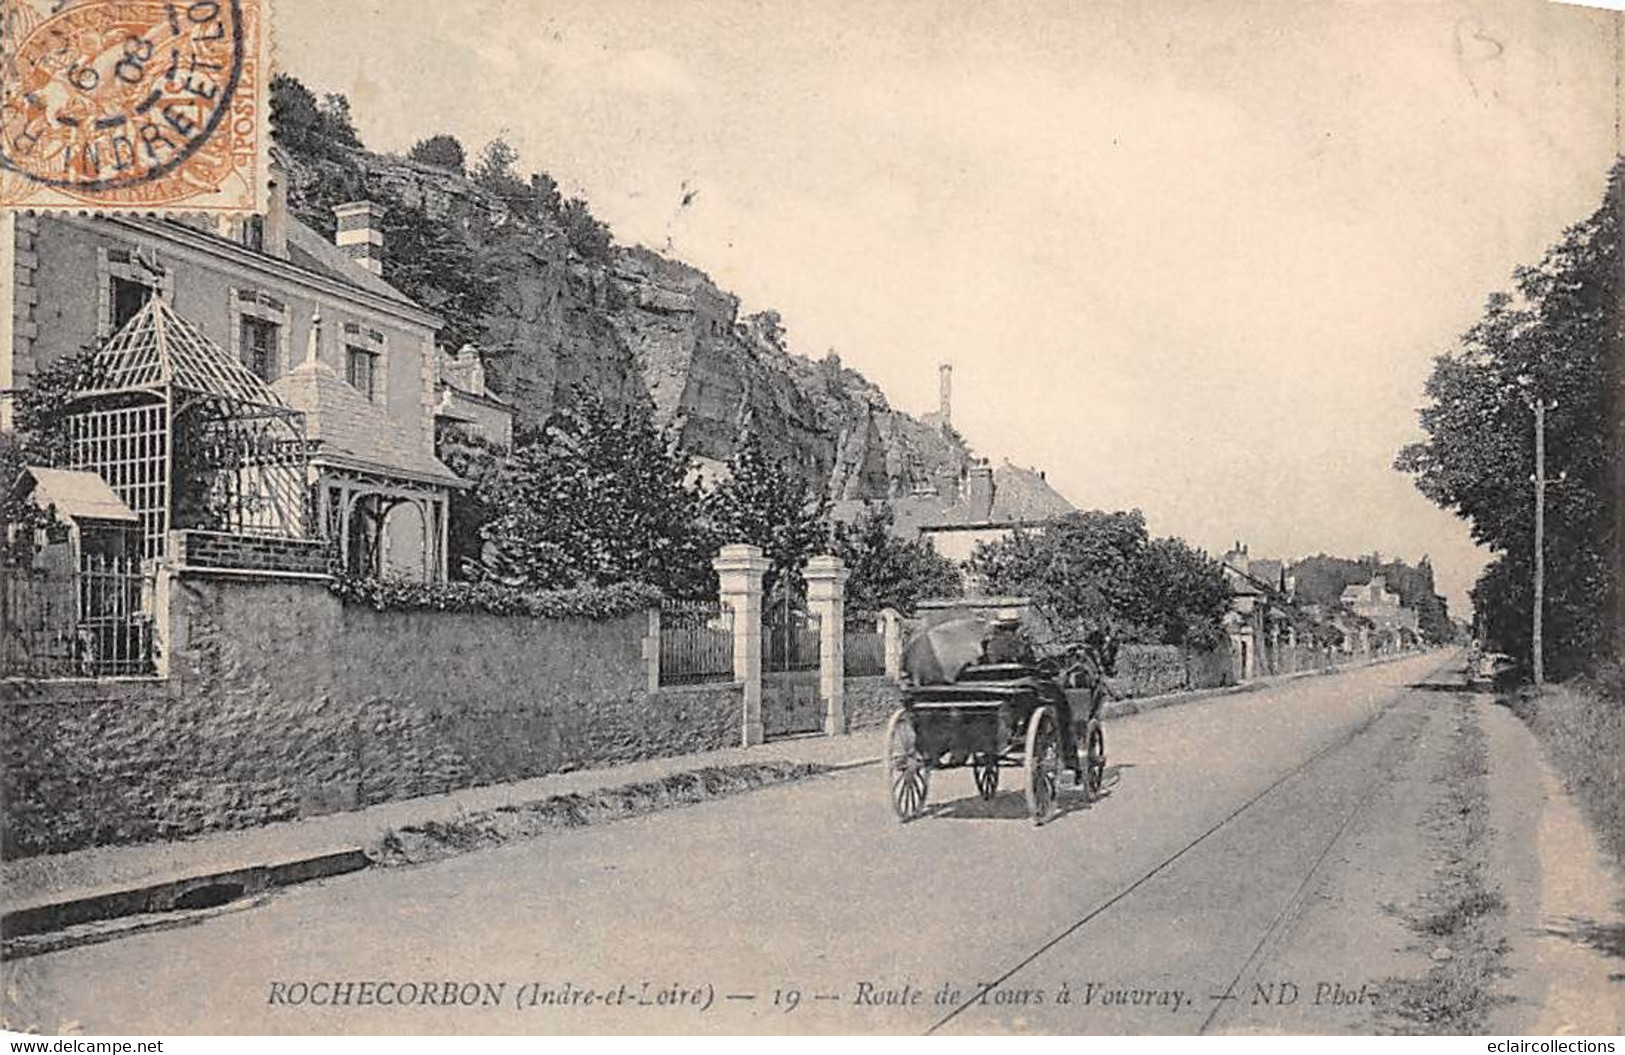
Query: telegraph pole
{"type": "Point", "coordinates": [1539, 656]}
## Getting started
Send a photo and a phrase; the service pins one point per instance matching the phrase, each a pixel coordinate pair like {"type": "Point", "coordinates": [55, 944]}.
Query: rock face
{"type": "Point", "coordinates": [639, 325]}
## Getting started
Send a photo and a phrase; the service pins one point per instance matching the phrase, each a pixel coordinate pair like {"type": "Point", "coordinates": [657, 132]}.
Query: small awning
{"type": "Point", "coordinates": [76, 494]}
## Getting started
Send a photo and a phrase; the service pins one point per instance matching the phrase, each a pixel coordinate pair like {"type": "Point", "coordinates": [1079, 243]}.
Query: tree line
{"type": "Point", "coordinates": [1554, 337]}
{"type": "Point", "coordinates": [603, 495]}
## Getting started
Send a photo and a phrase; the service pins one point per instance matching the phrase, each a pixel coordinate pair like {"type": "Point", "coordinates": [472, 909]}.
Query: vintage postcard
{"type": "Point", "coordinates": [902, 517]}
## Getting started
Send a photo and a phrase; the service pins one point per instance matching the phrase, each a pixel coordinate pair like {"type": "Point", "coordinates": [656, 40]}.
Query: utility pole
{"type": "Point", "coordinates": [1539, 656]}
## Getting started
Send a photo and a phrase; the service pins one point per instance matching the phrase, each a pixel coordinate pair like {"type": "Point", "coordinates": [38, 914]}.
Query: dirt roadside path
{"type": "Point", "coordinates": [1565, 922]}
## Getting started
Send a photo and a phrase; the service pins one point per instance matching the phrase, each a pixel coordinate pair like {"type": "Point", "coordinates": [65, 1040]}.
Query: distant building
{"type": "Point", "coordinates": [982, 504]}
{"type": "Point", "coordinates": [1374, 601]}
{"type": "Point", "coordinates": [463, 399]}
{"type": "Point", "coordinates": [992, 504]}
{"type": "Point", "coordinates": [1251, 616]}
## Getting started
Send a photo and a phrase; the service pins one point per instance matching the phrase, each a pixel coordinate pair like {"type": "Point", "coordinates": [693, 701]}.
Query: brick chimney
{"type": "Point", "coordinates": [361, 233]}
{"type": "Point", "coordinates": [979, 492]}
{"type": "Point", "coordinates": [945, 385]}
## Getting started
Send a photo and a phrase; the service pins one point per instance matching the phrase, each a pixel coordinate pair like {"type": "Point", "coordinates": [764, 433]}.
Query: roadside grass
{"type": "Point", "coordinates": [1459, 921]}
{"type": "Point", "coordinates": [1581, 726]}
{"type": "Point", "coordinates": [485, 829]}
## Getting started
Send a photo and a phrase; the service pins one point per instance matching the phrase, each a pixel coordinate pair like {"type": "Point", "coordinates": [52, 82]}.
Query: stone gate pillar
{"type": "Point", "coordinates": [826, 597]}
{"type": "Point", "coordinates": [740, 569]}
{"type": "Point", "coordinates": [891, 640]}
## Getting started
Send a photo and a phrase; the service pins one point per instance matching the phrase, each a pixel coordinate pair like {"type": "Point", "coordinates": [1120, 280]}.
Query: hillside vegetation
{"type": "Point", "coordinates": [555, 306]}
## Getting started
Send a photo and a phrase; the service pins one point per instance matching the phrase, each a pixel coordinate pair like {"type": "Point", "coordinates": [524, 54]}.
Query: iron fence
{"type": "Point", "coordinates": [696, 643]}
{"type": "Point", "coordinates": [864, 648]}
{"type": "Point", "coordinates": [93, 622]}
{"type": "Point", "coordinates": [789, 640]}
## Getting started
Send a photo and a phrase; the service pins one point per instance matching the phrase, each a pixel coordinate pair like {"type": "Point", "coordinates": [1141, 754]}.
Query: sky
{"type": "Point", "coordinates": [1193, 258]}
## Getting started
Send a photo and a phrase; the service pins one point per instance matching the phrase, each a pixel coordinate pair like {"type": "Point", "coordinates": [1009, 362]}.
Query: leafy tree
{"type": "Point", "coordinates": [1185, 594]}
{"type": "Point", "coordinates": [599, 499]}
{"type": "Point", "coordinates": [328, 173]}
{"type": "Point", "coordinates": [769, 327]}
{"type": "Point", "coordinates": [42, 408]}
{"type": "Point", "coordinates": [587, 235]}
{"type": "Point", "coordinates": [40, 436]}
{"type": "Point", "coordinates": [544, 191]}
{"type": "Point", "coordinates": [1554, 341]}
{"type": "Point", "coordinates": [303, 123]}
{"type": "Point", "coordinates": [1101, 574]}
{"type": "Point", "coordinates": [766, 504]}
{"type": "Point", "coordinates": [20, 518]}
{"type": "Point", "coordinates": [887, 571]}
{"type": "Point", "coordinates": [496, 165]}
{"type": "Point", "coordinates": [334, 111]}
{"type": "Point", "coordinates": [479, 462]}
{"type": "Point", "coordinates": [442, 151]}
{"type": "Point", "coordinates": [435, 265]}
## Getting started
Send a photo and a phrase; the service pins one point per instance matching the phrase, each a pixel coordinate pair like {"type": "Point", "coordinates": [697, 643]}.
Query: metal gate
{"type": "Point", "coordinates": [790, 656]}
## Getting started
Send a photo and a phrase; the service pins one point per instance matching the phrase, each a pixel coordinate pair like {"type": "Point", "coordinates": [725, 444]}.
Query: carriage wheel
{"type": "Point", "coordinates": [1043, 764]}
{"type": "Point", "coordinates": [1095, 762]}
{"type": "Point", "coordinates": [907, 774]}
{"type": "Point", "coordinates": [986, 770]}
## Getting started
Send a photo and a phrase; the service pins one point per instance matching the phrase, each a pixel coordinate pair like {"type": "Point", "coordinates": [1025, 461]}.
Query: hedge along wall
{"type": "Point", "coordinates": [285, 702]}
{"type": "Point", "coordinates": [1148, 670]}
{"type": "Point", "coordinates": [1151, 670]}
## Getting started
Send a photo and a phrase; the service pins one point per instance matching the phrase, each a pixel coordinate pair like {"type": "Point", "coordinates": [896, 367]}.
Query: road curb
{"type": "Point", "coordinates": [180, 893]}
{"type": "Point", "coordinates": [217, 886]}
{"type": "Point", "coordinates": [1122, 708]}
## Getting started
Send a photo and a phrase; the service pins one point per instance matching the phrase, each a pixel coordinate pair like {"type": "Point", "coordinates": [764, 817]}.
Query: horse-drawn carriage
{"type": "Point", "coordinates": [976, 697]}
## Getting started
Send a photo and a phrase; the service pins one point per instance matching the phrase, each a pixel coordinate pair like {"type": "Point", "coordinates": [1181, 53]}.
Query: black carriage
{"type": "Point", "coordinates": [1042, 717]}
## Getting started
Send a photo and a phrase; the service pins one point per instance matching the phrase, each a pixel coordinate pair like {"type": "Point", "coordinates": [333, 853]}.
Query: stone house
{"type": "Point", "coordinates": [982, 504]}
{"type": "Point", "coordinates": [463, 399]}
{"type": "Point", "coordinates": [314, 321]}
{"type": "Point", "coordinates": [1375, 602]}
{"type": "Point", "coordinates": [1259, 622]}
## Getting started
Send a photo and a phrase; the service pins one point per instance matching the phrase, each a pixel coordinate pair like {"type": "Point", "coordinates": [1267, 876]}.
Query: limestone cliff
{"type": "Point", "coordinates": [630, 323]}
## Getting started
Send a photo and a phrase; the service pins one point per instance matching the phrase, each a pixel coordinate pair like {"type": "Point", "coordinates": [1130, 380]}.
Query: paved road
{"type": "Point", "coordinates": [809, 909]}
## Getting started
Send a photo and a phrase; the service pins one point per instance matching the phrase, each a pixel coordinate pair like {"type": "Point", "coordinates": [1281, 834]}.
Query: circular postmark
{"type": "Point", "coordinates": [119, 100]}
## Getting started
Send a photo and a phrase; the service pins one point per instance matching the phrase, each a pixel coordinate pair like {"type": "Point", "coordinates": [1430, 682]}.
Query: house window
{"type": "Point", "coordinates": [129, 297]}
{"type": "Point", "coordinates": [258, 347]}
{"type": "Point", "coordinates": [362, 369]}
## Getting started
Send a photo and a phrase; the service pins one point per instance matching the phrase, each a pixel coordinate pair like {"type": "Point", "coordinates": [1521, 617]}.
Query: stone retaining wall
{"type": "Point", "coordinates": [870, 701]}
{"type": "Point", "coordinates": [284, 702]}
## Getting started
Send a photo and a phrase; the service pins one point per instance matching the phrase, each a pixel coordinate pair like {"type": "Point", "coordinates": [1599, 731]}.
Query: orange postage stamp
{"type": "Point", "coordinates": [134, 105]}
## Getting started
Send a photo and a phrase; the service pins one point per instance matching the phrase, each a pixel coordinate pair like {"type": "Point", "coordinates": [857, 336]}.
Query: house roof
{"type": "Point", "coordinates": [159, 349]}
{"type": "Point", "coordinates": [1243, 584]}
{"type": "Point", "coordinates": [1268, 571]}
{"type": "Point", "coordinates": [1022, 495]}
{"type": "Point", "coordinates": [75, 494]}
{"type": "Point", "coordinates": [349, 430]}
{"type": "Point", "coordinates": [312, 252]}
